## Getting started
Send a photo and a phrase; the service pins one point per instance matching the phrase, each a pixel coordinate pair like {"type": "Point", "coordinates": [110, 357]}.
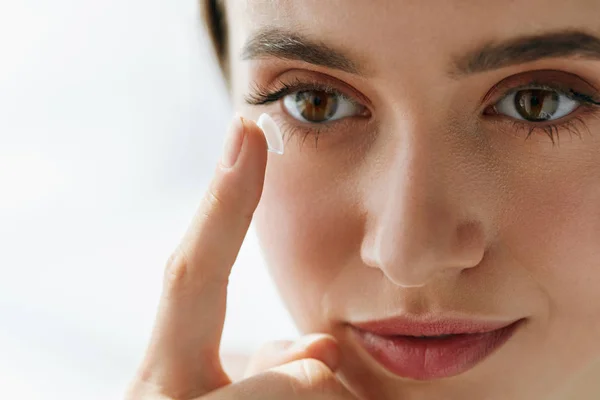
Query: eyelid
{"type": "Point", "coordinates": [311, 80]}
{"type": "Point", "coordinates": [538, 86]}
{"type": "Point", "coordinates": [561, 81]}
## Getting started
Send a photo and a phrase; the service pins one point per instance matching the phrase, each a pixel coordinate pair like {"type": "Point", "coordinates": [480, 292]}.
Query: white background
{"type": "Point", "coordinates": [112, 116]}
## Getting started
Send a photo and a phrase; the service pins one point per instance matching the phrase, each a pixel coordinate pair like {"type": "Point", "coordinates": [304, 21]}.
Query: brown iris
{"type": "Point", "coordinates": [536, 104]}
{"type": "Point", "coordinates": [316, 105]}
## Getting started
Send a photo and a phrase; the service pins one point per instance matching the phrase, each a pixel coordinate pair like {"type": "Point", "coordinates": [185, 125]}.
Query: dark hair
{"type": "Point", "coordinates": [213, 14]}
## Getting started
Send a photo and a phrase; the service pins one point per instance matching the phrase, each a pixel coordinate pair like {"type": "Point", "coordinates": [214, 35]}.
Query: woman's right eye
{"type": "Point", "coordinates": [319, 106]}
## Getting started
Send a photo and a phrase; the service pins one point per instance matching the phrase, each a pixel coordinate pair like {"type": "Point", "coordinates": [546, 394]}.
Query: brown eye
{"type": "Point", "coordinates": [536, 105]}
{"type": "Point", "coordinates": [319, 106]}
{"type": "Point", "coordinates": [316, 106]}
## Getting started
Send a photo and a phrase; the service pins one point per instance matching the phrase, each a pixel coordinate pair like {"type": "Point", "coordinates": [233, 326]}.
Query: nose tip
{"type": "Point", "coordinates": [426, 217]}
{"type": "Point", "coordinates": [408, 259]}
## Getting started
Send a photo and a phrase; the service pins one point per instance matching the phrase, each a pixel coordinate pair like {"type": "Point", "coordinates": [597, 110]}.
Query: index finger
{"type": "Point", "coordinates": [183, 355]}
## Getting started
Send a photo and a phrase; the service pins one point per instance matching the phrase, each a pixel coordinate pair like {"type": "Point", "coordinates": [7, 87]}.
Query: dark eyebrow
{"type": "Point", "coordinates": [494, 55]}
{"type": "Point", "coordinates": [276, 42]}
{"type": "Point", "coordinates": [280, 43]}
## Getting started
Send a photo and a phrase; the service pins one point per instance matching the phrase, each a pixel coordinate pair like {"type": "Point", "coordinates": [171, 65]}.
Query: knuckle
{"type": "Point", "coordinates": [183, 280]}
{"type": "Point", "coordinates": [213, 198]}
{"type": "Point", "coordinates": [229, 201]}
{"type": "Point", "coordinates": [215, 201]}
{"type": "Point", "coordinates": [176, 271]}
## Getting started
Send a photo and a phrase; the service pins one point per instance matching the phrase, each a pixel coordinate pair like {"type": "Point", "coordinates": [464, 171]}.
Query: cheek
{"type": "Point", "coordinates": [310, 228]}
{"type": "Point", "coordinates": [553, 233]}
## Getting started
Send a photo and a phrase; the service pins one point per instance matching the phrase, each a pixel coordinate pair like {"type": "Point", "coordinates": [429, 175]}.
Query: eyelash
{"type": "Point", "coordinates": [552, 130]}
{"type": "Point", "coordinates": [262, 95]}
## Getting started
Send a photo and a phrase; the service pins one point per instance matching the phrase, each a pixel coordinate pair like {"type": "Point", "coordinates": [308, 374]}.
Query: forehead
{"type": "Point", "coordinates": [408, 38]}
{"type": "Point", "coordinates": [391, 32]}
{"type": "Point", "coordinates": [432, 15]}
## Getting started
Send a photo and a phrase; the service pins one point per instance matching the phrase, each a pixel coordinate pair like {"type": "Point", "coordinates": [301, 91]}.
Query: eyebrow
{"type": "Point", "coordinates": [279, 43]}
{"type": "Point", "coordinates": [521, 50]}
{"type": "Point", "coordinates": [283, 44]}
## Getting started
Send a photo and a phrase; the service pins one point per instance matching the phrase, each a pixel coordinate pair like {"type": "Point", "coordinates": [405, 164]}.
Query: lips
{"type": "Point", "coordinates": [433, 349]}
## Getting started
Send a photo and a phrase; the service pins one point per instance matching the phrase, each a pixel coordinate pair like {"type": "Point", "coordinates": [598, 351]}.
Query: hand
{"type": "Point", "coordinates": [274, 354]}
{"type": "Point", "coordinates": [182, 360]}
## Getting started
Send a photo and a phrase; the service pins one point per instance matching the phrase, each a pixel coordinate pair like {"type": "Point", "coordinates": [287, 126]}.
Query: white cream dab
{"type": "Point", "coordinates": [272, 133]}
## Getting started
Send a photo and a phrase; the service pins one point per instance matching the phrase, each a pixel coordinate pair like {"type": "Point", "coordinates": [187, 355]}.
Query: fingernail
{"type": "Point", "coordinates": [272, 133]}
{"type": "Point", "coordinates": [233, 143]}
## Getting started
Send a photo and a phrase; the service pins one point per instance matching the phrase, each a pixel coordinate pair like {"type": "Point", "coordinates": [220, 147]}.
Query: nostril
{"type": "Point", "coordinates": [409, 262]}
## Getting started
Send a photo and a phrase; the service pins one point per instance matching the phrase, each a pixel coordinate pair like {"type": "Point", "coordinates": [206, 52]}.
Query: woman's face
{"type": "Point", "coordinates": [442, 162]}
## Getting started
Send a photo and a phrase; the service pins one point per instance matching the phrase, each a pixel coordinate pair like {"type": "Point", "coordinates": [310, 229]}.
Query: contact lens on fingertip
{"type": "Point", "coordinates": [272, 133]}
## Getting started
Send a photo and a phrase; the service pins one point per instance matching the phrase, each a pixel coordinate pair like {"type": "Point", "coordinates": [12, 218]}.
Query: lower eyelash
{"type": "Point", "coordinates": [290, 130]}
{"type": "Point", "coordinates": [553, 131]}
{"type": "Point", "coordinates": [589, 108]}
{"type": "Point", "coordinates": [575, 125]}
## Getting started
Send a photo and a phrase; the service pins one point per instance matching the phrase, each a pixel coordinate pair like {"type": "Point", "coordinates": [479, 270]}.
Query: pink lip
{"type": "Point", "coordinates": [395, 344]}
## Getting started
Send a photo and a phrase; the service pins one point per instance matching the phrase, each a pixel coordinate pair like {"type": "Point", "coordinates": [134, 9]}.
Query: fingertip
{"type": "Point", "coordinates": [313, 339]}
{"type": "Point", "coordinates": [240, 183]}
{"type": "Point", "coordinates": [254, 157]}
{"type": "Point", "coordinates": [254, 131]}
{"type": "Point", "coordinates": [320, 346]}
{"type": "Point", "coordinates": [328, 351]}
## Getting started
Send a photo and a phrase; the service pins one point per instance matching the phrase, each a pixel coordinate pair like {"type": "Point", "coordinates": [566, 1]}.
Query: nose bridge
{"type": "Point", "coordinates": [422, 226]}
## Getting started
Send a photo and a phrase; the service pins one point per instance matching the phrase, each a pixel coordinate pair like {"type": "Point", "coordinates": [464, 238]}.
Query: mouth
{"type": "Point", "coordinates": [434, 349]}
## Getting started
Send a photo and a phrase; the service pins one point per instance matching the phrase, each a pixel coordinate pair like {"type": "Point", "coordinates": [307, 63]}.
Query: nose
{"type": "Point", "coordinates": [420, 222]}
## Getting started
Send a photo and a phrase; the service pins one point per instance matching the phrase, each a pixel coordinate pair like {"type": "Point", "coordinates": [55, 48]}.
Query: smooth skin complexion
{"type": "Point", "coordinates": [435, 218]}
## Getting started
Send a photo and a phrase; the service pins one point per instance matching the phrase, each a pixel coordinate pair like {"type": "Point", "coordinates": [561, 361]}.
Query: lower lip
{"type": "Point", "coordinates": [425, 359]}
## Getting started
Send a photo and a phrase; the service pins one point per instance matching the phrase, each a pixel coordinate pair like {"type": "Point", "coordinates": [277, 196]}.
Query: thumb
{"type": "Point", "coordinates": [317, 346]}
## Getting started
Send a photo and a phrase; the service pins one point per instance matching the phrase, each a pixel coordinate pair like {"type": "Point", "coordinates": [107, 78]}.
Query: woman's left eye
{"type": "Point", "coordinates": [536, 105]}
{"type": "Point", "coordinates": [319, 106]}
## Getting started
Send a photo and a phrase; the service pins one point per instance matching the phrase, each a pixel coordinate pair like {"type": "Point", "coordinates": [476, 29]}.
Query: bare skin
{"type": "Point", "coordinates": [182, 360]}
{"type": "Point", "coordinates": [424, 198]}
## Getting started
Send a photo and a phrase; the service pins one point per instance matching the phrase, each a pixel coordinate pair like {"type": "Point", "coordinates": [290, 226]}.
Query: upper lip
{"type": "Point", "coordinates": [430, 326]}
